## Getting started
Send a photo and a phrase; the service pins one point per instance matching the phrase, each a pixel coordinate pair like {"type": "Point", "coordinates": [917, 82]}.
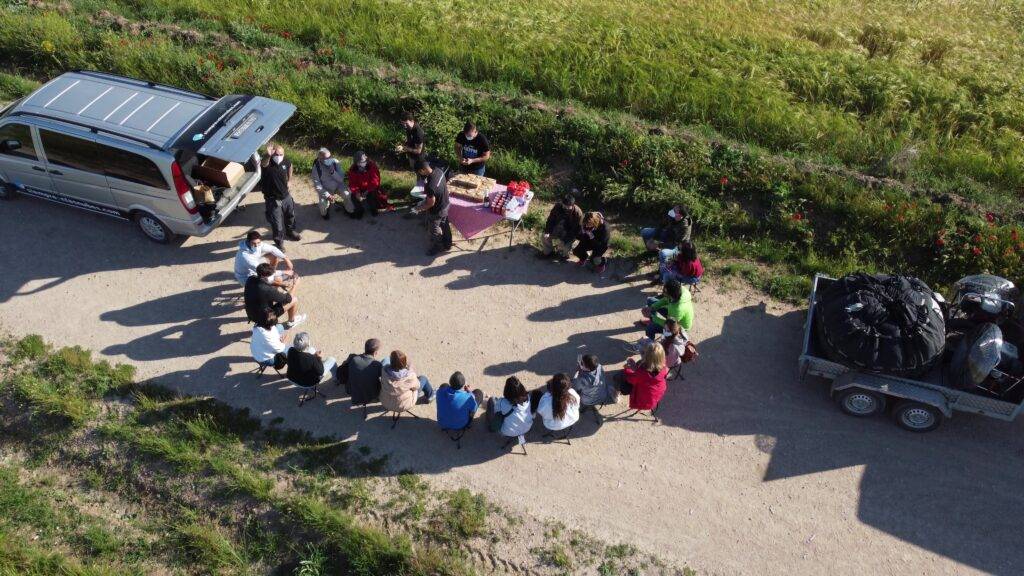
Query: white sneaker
{"type": "Point", "coordinates": [301, 318]}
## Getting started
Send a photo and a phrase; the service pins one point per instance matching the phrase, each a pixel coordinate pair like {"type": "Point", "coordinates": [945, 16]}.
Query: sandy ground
{"type": "Point", "coordinates": [749, 472]}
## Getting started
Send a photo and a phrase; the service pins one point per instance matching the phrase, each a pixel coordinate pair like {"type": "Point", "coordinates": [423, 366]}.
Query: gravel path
{"type": "Point", "coordinates": [750, 470]}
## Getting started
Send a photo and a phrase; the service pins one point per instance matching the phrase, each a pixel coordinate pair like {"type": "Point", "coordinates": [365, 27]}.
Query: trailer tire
{"type": "Point", "coordinates": [917, 417]}
{"type": "Point", "coordinates": [860, 403]}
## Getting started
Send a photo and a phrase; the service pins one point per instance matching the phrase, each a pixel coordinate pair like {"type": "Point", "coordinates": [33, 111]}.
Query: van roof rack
{"type": "Point", "coordinates": [93, 129]}
{"type": "Point", "coordinates": [146, 83]}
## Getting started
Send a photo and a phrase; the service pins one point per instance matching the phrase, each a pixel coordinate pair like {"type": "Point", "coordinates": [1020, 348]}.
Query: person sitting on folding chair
{"type": "Point", "coordinates": [456, 405]}
{"type": "Point", "coordinates": [675, 302]}
{"type": "Point", "coordinates": [307, 367]}
{"type": "Point", "coordinates": [559, 407]}
{"type": "Point", "coordinates": [360, 373]}
{"type": "Point", "coordinates": [644, 382]}
{"type": "Point", "coordinates": [400, 387]}
{"type": "Point", "coordinates": [510, 415]}
{"type": "Point", "coordinates": [589, 382]}
{"type": "Point", "coordinates": [268, 341]}
{"type": "Point", "coordinates": [682, 265]}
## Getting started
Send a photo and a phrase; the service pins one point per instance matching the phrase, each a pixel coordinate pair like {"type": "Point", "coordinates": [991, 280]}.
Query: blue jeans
{"type": "Point", "coordinates": [666, 255]}
{"type": "Point", "coordinates": [426, 390]}
{"type": "Point", "coordinates": [667, 275]}
{"type": "Point", "coordinates": [477, 169]}
{"type": "Point", "coordinates": [653, 329]}
{"type": "Point", "coordinates": [664, 237]}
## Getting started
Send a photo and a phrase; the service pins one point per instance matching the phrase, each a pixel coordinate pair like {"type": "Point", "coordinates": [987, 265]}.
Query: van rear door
{"type": "Point", "coordinates": [243, 125]}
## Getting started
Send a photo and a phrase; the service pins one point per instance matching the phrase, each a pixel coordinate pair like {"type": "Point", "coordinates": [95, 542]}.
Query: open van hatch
{"type": "Point", "coordinates": [235, 127]}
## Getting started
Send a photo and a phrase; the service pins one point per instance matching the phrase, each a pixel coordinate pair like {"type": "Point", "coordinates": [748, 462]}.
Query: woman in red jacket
{"type": "Point", "coordinates": [364, 183]}
{"type": "Point", "coordinates": [646, 380]}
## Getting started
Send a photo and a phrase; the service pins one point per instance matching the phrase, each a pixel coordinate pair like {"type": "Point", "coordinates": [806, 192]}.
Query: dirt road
{"type": "Point", "coordinates": [749, 472]}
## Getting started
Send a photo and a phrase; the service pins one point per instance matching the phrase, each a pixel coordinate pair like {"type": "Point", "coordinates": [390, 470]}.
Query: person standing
{"type": "Point", "coordinates": [435, 203]}
{"type": "Point", "coordinates": [473, 150]}
{"type": "Point", "coordinates": [415, 145]}
{"type": "Point", "coordinates": [329, 183]}
{"type": "Point", "coordinates": [364, 181]}
{"type": "Point", "coordinates": [280, 207]}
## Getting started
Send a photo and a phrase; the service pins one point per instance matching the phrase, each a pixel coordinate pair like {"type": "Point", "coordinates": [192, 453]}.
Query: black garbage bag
{"type": "Point", "coordinates": [881, 323]}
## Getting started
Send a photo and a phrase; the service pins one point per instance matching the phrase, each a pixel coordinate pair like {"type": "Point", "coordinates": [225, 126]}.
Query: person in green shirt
{"type": "Point", "coordinates": [675, 303]}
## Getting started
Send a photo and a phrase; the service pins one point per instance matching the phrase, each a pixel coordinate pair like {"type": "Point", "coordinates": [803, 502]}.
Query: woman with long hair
{"type": "Point", "coordinates": [684, 265]}
{"type": "Point", "coordinates": [559, 407]}
{"type": "Point", "coordinates": [593, 242]}
{"type": "Point", "coordinates": [513, 408]}
{"type": "Point", "coordinates": [645, 380]}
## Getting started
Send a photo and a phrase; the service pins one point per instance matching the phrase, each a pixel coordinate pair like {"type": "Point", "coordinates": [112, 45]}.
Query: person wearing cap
{"type": "Point", "coordinates": [364, 182]}
{"type": "Point", "coordinates": [676, 228]}
{"type": "Point", "coordinates": [329, 182]}
{"type": "Point", "coordinates": [473, 150]}
{"type": "Point", "coordinates": [563, 225]}
{"type": "Point", "coordinates": [435, 203]}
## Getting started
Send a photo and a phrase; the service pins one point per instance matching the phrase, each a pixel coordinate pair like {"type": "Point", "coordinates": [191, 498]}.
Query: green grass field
{"type": "Point", "coordinates": [769, 118]}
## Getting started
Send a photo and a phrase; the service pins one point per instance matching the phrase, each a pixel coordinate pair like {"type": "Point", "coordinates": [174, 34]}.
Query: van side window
{"type": "Point", "coordinates": [125, 165]}
{"type": "Point", "coordinates": [23, 135]}
{"type": "Point", "coordinates": [72, 152]}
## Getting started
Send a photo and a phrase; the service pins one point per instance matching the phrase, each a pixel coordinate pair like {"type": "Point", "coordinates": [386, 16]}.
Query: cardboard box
{"type": "Point", "coordinates": [219, 172]}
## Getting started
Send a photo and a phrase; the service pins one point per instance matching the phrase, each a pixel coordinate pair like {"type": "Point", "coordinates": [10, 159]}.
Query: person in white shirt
{"type": "Point", "coordinates": [559, 407]}
{"type": "Point", "coordinates": [268, 339]}
{"type": "Point", "coordinates": [514, 408]}
{"type": "Point", "coordinates": [253, 251]}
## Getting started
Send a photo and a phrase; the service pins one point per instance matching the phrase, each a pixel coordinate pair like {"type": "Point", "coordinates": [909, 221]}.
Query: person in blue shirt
{"type": "Point", "coordinates": [456, 405]}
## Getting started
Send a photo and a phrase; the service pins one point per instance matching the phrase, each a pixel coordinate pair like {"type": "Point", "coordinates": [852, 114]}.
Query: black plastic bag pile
{"type": "Point", "coordinates": [881, 323]}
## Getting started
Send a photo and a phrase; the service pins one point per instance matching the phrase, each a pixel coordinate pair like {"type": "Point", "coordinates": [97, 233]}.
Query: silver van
{"type": "Point", "coordinates": [133, 150]}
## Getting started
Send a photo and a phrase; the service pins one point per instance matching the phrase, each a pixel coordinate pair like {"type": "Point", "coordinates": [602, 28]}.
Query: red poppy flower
{"type": "Point", "coordinates": [798, 216]}
{"type": "Point", "coordinates": [976, 251]}
{"type": "Point", "coordinates": [940, 242]}
{"type": "Point", "coordinates": [1013, 235]}
{"type": "Point", "coordinates": [724, 181]}
{"type": "Point", "coordinates": [990, 217]}
{"type": "Point", "coordinates": [976, 239]}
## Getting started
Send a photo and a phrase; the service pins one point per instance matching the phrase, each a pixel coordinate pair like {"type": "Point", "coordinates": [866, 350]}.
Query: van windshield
{"type": "Point", "coordinates": [214, 118]}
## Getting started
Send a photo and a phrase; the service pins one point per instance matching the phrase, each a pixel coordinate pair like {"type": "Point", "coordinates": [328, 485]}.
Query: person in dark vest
{"type": "Point", "coordinates": [280, 207]}
{"type": "Point", "coordinates": [435, 204]}
{"type": "Point", "coordinates": [360, 373]}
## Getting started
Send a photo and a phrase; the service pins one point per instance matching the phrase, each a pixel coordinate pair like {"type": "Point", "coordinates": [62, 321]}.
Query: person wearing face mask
{"type": "Point", "coordinates": [415, 145]}
{"type": "Point", "coordinates": [435, 204]}
{"type": "Point", "coordinates": [676, 303]}
{"type": "Point", "coordinates": [329, 183]}
{"type": "Point", "coordinates": [280, 208]}
{"type": "Point", "coordinates": [473, 150]}
{"type": "Point", "coordinates": [364, 182]}
{"type": "Point", "coordinates": [676, 227]}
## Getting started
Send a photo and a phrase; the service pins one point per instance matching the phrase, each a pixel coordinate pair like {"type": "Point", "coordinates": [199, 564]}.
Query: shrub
{"type": "Point", "coordinates": [936, 51]}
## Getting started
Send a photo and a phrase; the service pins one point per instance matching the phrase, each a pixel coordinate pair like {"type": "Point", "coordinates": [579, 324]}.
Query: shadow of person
{"type": "Point", "coordinates": [62, 244]}
{"type": "Point", "coordinates": [954, 491]}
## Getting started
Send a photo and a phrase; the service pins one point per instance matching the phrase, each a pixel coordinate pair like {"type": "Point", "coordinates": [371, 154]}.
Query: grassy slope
{"type": "Point", "coordinates": [99, 477]}
{"type": "Point", "coordinates": [749, 203]}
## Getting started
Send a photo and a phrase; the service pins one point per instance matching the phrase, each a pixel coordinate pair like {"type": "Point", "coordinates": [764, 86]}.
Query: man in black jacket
{"type": "Point", "coordinates": [360, 373]}
{"type": "Point", "coordinates": [262, 297]}
{"type": "Point", "coordinates": [563, 225]}
{"type": "Point", "coordinates": [306, 365]}
{"type": "Point", "coordinates": [280, 207]}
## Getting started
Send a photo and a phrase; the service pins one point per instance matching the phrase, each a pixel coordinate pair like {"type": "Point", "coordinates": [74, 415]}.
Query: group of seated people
{"type": "Point", "coordinates": [568, 229]}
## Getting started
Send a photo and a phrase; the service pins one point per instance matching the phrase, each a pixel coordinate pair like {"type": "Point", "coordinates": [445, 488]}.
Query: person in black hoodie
{"type": "Point", "coordinates": [306, 365]}
{"type": "Point", "coordinates": [593, 242]}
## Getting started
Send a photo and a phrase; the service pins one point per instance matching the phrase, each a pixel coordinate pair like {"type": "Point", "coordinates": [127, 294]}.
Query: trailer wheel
{"type": "Point", "coordinates": [860, 403]}
{"type": "Point", "coordinates": [917, 417]}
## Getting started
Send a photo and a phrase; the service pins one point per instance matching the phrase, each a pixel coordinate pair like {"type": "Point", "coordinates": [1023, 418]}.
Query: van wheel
{"type": "Point", "coordinates": [153, 228]}
{"type": "Point", "coordinates": [6, 191]}
{"type": "Point", "coordinates": [917, 417]}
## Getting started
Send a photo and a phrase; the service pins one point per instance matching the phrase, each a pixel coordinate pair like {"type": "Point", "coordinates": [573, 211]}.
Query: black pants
{"type": "Point", "coordinates": [587, 248]}
{"type": "Point", "coordinates": [281, 216]}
